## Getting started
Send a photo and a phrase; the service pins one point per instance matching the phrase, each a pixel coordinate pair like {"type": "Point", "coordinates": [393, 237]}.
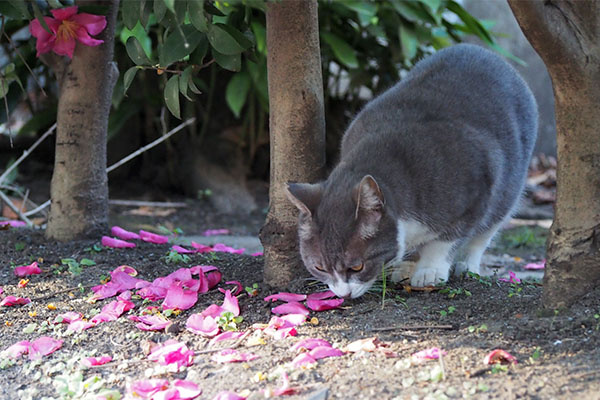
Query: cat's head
{"type": "Point", "coordinates": [345, 234]}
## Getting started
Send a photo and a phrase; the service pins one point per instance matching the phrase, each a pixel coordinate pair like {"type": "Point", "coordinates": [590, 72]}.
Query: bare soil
{"type": "Point", "coordinates": [558, 352]}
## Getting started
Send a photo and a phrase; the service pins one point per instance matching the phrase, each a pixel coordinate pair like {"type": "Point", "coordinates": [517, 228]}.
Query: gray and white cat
{"type": "Point", "coordinates": [435, 163]}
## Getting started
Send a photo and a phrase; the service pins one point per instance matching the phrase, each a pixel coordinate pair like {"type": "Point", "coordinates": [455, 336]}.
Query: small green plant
{"type": "Point", "coordinates": [204, 194]}
{"type": "Point", "coordinates": [228, 322]}
{"type": "Point", "coordinates": [499, 368]}
{"type": "Point", "coordinates": [484, 280]}
{"type": "Point", "coordinates": [19, 246]}
{"type": "Point", "coordinates": [252, 290]}
{"type": "Point", "coordinates": [535, 355]}
{"type": "Point", "coordinates": [401, 300]}
{"type": "Point", "coordinates": [524, 236]}
{"type": "Point", "coordinates": [448, 311]}
{"type": "Point", "coordinates": [97, 248]}
{"type": "Point", "coordinates": [480, 329]}
{"type": "Point", "coordinates": [453, 292]}
{"type": "Point", "coordinates": [174, 257]}
{"type": "Point", "coordinates": [75, 267]}
{"type": "Point", "coordinates": [515, 290]}
{"type": "Point", "coordinates": [597, 318]}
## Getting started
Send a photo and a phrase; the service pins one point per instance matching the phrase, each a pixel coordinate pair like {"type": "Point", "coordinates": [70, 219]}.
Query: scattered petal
{"type": "Point", "coordinates": [303, 359]}
{"type": "Point", "coordinates": [80, 325]}
{"type": "Point", "coordinates": [367, 344]}
{"type": "Point", "coordinates": [228, 396]}
{"type": "Point", "coordinates": [499, 356]}
{"type": "Point", "coordinates": [232, 355]}
{"type": "Point", "coordinates": [231, 304]}
{"type": "Point", "coordinates": [238, 285]}
{"type": "Point", "coordinates": [428, 354]}
{"type": "Point", "coordinates": [123, 234]}
{"type": "Point", "coordinates": [294, 319]}
{"type": "Point", "coordinates": [309, 344]}
{"type": "Point", "coordinates": [285, 388]}
{"type": "Point", "coordinates": [201, 325]}
{"type": "Point", "coordinates": [512, 278]}
{"type": "Point", "coordinates": [186, 389]}
{"type": "Point", "coordinates": [43, 346]}
{"type": "Point", "coordinates": [150, 322]}
{"type": "Point", "coordinates": [115, 243]}
{"type": "Point", "coordinates": [226, 249]}
{"type": "Point", "coordinates": [215, 232]}
{"type": "Point", "coordinates": [18, 349]}
{"type": "Point", "coordinates": [22, 283]}
{"type": "Point", "coordinates": [68, 317]}
{"type": "Point", "coordinates": [172, 352]}
{"type": "Point", "coordinates": [201, 248]}
{"type": "Point", "coordinates": [147, 388]}
{"type": "Point", "coordinates": [26, 270]}
{"type": "Point", "coordinates": [182, 250]}
{"type": "Point", "coordinates": [153, 237]}
{"type": "Point", "coordinates": [14, 301]}
{"type": "Point", "coordinates": [127, 269]}
{"type": "Point", "coordinates": [94, 361]}
{"type": "Point", "coordinates": [179, 298]}
{"type": "Point", "coordinates": [293, 307]}
{"type": "Point", "coordinates": [325, 351]}
{"type": "Point", "coordinates": [284, 296]}
{"type": "Point", "coordinates": [534, 266]}
{"type": "Point", "coordinates": [321, 295]}
{"type": "Point", "coordinates": [13, 223]}
{"type": "Point", "coordinates": [257, 254]}
{"type": "Point", "coordinates": [322, 305]}
{"type": "Point", "coordinates": [228, 335]}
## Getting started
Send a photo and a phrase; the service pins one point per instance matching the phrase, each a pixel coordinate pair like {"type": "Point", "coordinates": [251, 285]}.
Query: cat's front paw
{"type": "Point", "coordinates": [428, 277]}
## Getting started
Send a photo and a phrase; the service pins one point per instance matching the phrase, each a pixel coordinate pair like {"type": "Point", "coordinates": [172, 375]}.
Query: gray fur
{"type": "Point", "coordinates": [448, 146]}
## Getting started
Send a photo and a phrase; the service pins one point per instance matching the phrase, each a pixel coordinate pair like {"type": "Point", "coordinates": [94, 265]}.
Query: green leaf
{"type": "Point", "coordinates": [229, 62]}
{"type": "Point", "coordinates": [140, 34]}
{"type": "Point", "coordinates": [342, 50]}
{"type": "Point", "coordinates": [40, 17]}
{"type": "Point", "coordinates": [87, 262]}
{"type": "Point", "coordinates": [131, 12]}
{"type": "Point", "coordinates": [197, 16]}
{"type": "Point", "coordinates": [412, 11]}
{"type": "Point", "coordinates": [227, 40]}
{"type": "Point", "coordinates": [366, 10]}
{"type": "Point", "coordinates": [128, 78]}
{"type": "Point", "coordinates": [21, 7]}
{"type": "Point", "coordinates": [136, 52]}
{"type": "Point", "coordinates": [170, 4]}
{"type": "Point", "coordinates": [4, 86]}
{"type": "Point", "coordinates": [260, 33]}
{"type": "Point", "coordinates": [54, 4]}
{"type": "Point", "coordinates": [159, 10]}
{"type": "Point", "coordinates": [184, 79]}
{"type": "Point", "coordinates": [171, 96]}
{"type": "Point", "coordinates": [197, 56]}
{"type": "Point", "coordinates": [433, 5]}
{"type": "Point", "coordinates": [236, 92]}
{"type": "Point", "coordinates": [408, 42]}
{"type": "Point", "coordinates": [179, 44]}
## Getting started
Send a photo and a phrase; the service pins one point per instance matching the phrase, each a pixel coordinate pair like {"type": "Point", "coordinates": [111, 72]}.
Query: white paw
{"type": "Point", "coordinates": [428, 276]}
{"type": "Point", "coordinates": [462, 267]}
{"type": "Point", "coordinates": [403, 271]}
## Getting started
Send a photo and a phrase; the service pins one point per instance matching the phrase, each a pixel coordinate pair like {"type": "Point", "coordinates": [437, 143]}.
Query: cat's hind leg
{"type": "Point", "coordinates": [434, 265]}
{"type": "Point", "coordinates": [474, 250]}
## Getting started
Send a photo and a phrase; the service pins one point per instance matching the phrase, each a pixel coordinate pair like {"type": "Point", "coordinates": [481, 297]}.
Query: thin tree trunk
{"type": "Point", "coordinates": [297, 128]}
{"type": "Point", "coordinates": [565, 34]}
{"type": "Point", "coordinates": [79, 189]}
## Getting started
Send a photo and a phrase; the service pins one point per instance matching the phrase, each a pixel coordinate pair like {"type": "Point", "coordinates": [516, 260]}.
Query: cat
{"type": "Point", "coordinates": [435, 163]}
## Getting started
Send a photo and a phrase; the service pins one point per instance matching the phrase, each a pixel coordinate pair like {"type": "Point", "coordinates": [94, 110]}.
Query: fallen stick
{"type": "Point", "coordinates": [16, 210]}
{"type": "Point", "coordinates": [413, 328]}
{"type": "Point", "coordinates": [139, 203]}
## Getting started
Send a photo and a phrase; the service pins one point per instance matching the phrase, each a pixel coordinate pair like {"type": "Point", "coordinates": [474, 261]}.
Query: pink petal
{"type": "Point", "coordinates": [14, 301]}
{"type": "Point", "coordinates": [231, 304]}
{"type": "Point", "coordinates": [126, 269]}
{"type": "Point", "coordinates": [94, 24]}
{"type": "Point", "coordinates": [84, 38]}
{"type": "Point", "coordinates": [186, 389]}
{"type": "Point", "coordinates": [213, 278]}
{"type": "Point", "coordinates": [367, 344]}
{"type": "Point", "coordinates": [232, 355]}
{"type": "Point", "coordinates": [152, 293]}
{"type": "Point", "coordinates": [115, 243]}
{"type": "Point", "coordinates": [64, 13]}
{"type": "Point", "coordinates": [303, 359]}
{"type": "Point", "coordinates": [226, 249]}
{"type": "Point", "coordinates": [181, 250]}
{"type": "Point", "coordinates": [213, 311]}
{"type": "Point", "coordinates": [281, 333]}
{"type": "Point", "coordinates": [285, 388]}
{"type": "Point", "coordinates": [147, 388]}
{"type": "Point", "coordinates": [428, 354]}
{"type": "Point", "coordinates": [293, 307]}
{"type": "Point", "coordinates": [257, 254]}
{"type": "Point", "coordinates": [1, 290]}
{"type": "Point", "coordinates": [201, 325]}
{"type": "Point", "coordinates": [123, 234]}
{"type": "Point", "coordinates": [228, 335]}
{"type": "Point", "coordinates": [150, 322]}
{"type": "Point", "coordinates": [93, 361]}
{"type": "Point", "coordinates": [172, 352]}
{"type": "Point", "coordinates": [228, 396]}
{"type": "Point", "coordinates": [43, 346]}
{"type": "Point", "coordinates": [14, 223]}
{"type": "Point", "coordinates": [238, 285]}
{"type": "Point", "coordinates": [294, 319]}
{"type": "Point", "coordinates": [80, 325]}
{"type": "Point", "coordinates": [499, 356]}
{"type": "Point", "coordinates": [153, 237]}
{"type": "Point", "coordinates": [18, 349]}
{"type": "Point", "coordinates": [68, 317]}
{"type": "Point", "coordinates": [26, 270]}
{"type": "Point", "coordinates": [116, 308]}
{"type": "Point", "coordinates": [284, 296]}
{"type": "Point", "coordinates": [309, 344]}
{"type": "Point", "coordinates": [45, 40]}
{"type": "Point", "coordinates": [102, 317]}
{"type": "Point", "coordinates": [214, 232]}
{"type": "Point", "coordinates": [325, 351]}
{"type": "Point", "coordinates": [322, 305]}
{"type": "Point", "coordinates": [201, 248]}
{"type": "Point", "coordinates": [533, 266]}
{"type": "Point", "coordinates": [321, 295]}
{"type": "Point", "coordinates": [179, 298]}
{"type": "Point", "coordinates": [125, 296]}
{"type": "Point", "coordinates": [203, 268]}
{"type": "Point", "coordinates": [64, 47]}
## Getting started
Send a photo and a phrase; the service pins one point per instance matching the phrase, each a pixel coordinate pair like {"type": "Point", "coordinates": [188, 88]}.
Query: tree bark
{"type": "Point", "coordinates": [297, 128]}
{"type": "Point", "coordinates": [565, 34]}
{"type": "Point", "coordinates": [79, 188]}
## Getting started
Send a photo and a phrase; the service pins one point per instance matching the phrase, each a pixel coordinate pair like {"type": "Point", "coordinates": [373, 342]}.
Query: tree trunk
{"type": "Point", "coordinates": [565, 34]}
{"type": "Point", "coordinates": [79, 189]}
{"type": "Point", "coordinates": [297, 128]}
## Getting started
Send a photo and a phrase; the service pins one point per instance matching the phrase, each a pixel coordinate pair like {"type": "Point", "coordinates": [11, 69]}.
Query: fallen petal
{"type": "Point", "coordinates": [321, 295]}
{"type": "Point", "coordinates": [80, 325]}
{"type": "Point", "coordinates": [182, 250]}
{"type": "Point", "coordinates": [26, 270]}
{"type": "Point", "coordinates": [284, 296]}
{"type": "Point", "coordinates": [43, 346]}
{"type": "Point", "coordinates": [172, 352]}
{"type": "Point", "coordinates": [228, 335]}
{"type": "Point", "coordinates": [239, 288]}
{"type": "Point", "coordinates": [153, 237]}
{"type": "Point", "coordinates": [232, 355]}
{"type": "Point", "coordinates": [179, 298]}
{"type": "Point", "coordinates": [428, 354]}
{"type": "Point", "coordinates": [214, 232]}
{"type": "Point", "coordinates": [93, 361]}
{"type": "Point", "coordinates": [325, 351]}
{"type": "Point", "coordinates": [228, 396]}
{"type": "Point", "coordinates": [147, 388]}
{"type": "Point", "coordinates": [68, 317]}
{"type": "Point", "coordinates": [123, 234]}
{"type": "Point", "coordinates": [367, 344]}
{"type": "Point", "coordinates": [499, 356]}
{"type": "Point", "coordinates": [18, 349]}
{"type": "Point", "coordinates": [285, 388]}
{"type": "Point", "coordinates": [309, 344]}
{"type": "Point", "coordinates": [257, 254]}
{"type": "Point", "coordinates": [150, 322]}
{"type": "Point", "coordinates": [125, 268]}
{"type": "Point", "coordinates": [115, 243]}
{"type": "Point", "coordinates": [14, 301]}
{"type": "Point", "coordinates": [294, 319]}
{"type": "Point", "coordinates": [226, 249]}
{"type": "Point", "coordinates": [201, 325]}
{"type": "Point", "coordinates": [292, 307]}
{"type": "Point", "coordinates": [231, 304]}
{"type": "Point", "coordinates": [322, 305]}
{"type": "Point", "coordinates": [303, 359]}
{"type": "Point", "coordinates": [186, 389]}
{"type": "Point", "coordinates": [281, 333]}
{"type": "Point", "coordinates": [534, 266]}
{"type": "Point", "coordinates": [13, 223]}
{"type": "Point", "coordinates": [201, 248]}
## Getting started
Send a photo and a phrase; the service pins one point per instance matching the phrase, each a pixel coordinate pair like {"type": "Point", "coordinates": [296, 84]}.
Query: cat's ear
{"type": "Point", "coordinates": [305, 196]}
{"type": "Point", "coordinates": [369, 207]}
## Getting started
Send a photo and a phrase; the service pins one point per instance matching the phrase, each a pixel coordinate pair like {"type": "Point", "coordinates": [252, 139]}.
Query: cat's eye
{"type": "Point", "coordinates": [358, 268]}
{"type": "Point", "coordinates": [320, 268]}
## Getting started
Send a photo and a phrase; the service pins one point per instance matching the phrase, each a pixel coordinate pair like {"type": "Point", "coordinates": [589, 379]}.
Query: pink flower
{"type": "Point", "coordinates": [428, 354]}
{"type": "Point", "coordinates": [153, 237]}
{"type": "Point", "coordinates": [512, 278]}
{"type": "Point", "coordinates": [540, 265]}
{"type": "Point", "coordinates": [322, 305]}
{"type": "Point", "coordinates": [499, 356]}
{"type": "Point", "coordinates": [14, 301]}
{"type": "Point", "coordinates": [284, 296]}
{"type": "Point", "coordinates": [65, 28]}
{"type": "Point", "coordinates": [26, 270]}
{"type": "Point", "coordinates": [172, 352]}
{"type": "Point", "coordinates": [293, 307]}
{"type": "Point", "coordinates": [43, 346]}
{"type": "Point", "coordinates": [232, 355]}
{"type": "Point", "coordinates": [93, 361]}
{"type": "Point", "coordinates": [115, 243]}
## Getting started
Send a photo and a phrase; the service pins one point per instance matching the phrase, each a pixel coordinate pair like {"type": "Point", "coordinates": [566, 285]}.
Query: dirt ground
{"type": "Point", "coordinates": [558, 353]}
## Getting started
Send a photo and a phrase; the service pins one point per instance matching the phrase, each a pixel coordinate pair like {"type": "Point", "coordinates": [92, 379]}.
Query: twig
{"type": "Point", "coordinates": [10, 205]}
{"type": "Point", "coordinates": [150, 145]}
{"type": "Point", "coordinates": [441, 359]}
{"type": "Point", "coordinates": [38, 208]}
{"type": "Point", "coordinates": [413, 328]}
{"type": "Point", "coordinates": [48, 296]}
{"type": "Point", "coordinates": [139, 203]}
{"type": "Point", "coordinates": [10, 41]}
{"type": "Point", "coordinates": [27, 152]}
